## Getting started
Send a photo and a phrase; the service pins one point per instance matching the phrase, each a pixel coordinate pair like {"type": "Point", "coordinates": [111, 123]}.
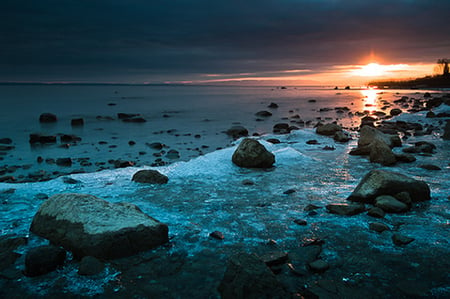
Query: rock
{"type": "Point", "coordinates": [289, 191]}
{"type": "Point", "coordinates": [381, 153]}
{"type": "Point", "coordinates": [89, 265]}
{"type": "Point", "coordinates": [318, 266]}
{"type": "Point", "coordinates": [368, 121]}
{"type": "Point", "coordinates": [380, 182]}
{"type": "Point", "coordinates": [273, 105]}
{"type": "Point", "coordinates": [390, 204]}
{"type": "Point", "coordinates": [48, 118]}
{"type": "Point", "coordinates": [369, 134]}
{"type": "Point", "coordinates": [378, 227]}
{"type": "Point", "coordinates": [67, 162]}
{"type": "Point", "coordinates": [122, 163]}
{"type": "Point", "coordinates": [430, 167]}
{"type": "Point", "coordinates": [395, 112]}
{"type": "Point", "coordinates": [8, 247]}
{"type": "Point", "coordinates": [150, 177]}
{"type": "Point", "coordinates": [237, 132]}
{"type": "Point", "coordinates": [77, 122]}
{"type": "Point", "coordinates": [156, 145]}
{"type": "Point", "coordinates": [274, 258]}
{"type": "Point", "coordinates": [345, 209]}
{"type": "Point", "coordinates": [421, 147]}
{"type": "Point", "coordinates": [341, 136]}
{"type": "Point", "coordinates": [44, 259]}
{"type": "Point", "coordinates": [68, 180]}
{"type": "Point", "coordinates": [446, 134]}
{"type": "Point", "coordinates": [217, 235]}
{"type": "Point", "coordinates": [173, 154]}
{"type": "Point", "coordinates": [127, 115]}
{"type": "Point", "coordinates": [301, 222]}
{"type": "Point", "coordinates": [406, 158]}
{"type": "Point", "coordinates": [247, 182]}
{"type": "Point", "coordinates": [328, 129]}
{"type": "Point", "coordinates": [90, 226]}
{"type": "Point", "coordinates": [263, 113]}
{"type": "Point", "coordinates": [38, 138]}
{"type": "Point", "coordinates": [251, 154]}
{"type": "Point", "coordinates": [400, 240]}
{"type": "Point", "coordinates": [312, 142]}
{"type": "Point", "coordinates": [376, 212]}
{"type": "Point", "coordinates": [273, 140]}
{"type": "Point", "coordinates": [281, 128]}
{"type": "Point", "coordinates": [6, 141]}
{"type": "Point", "coordinates": [70, 138]}
{"type": "Point", "coordinates": [247, 276]}
{"type": "Point", "coordinates": [134, 120]}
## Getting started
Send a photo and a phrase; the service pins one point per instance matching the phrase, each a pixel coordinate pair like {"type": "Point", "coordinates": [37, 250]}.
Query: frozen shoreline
{"type": "Point", "coordinates": [206, 194]}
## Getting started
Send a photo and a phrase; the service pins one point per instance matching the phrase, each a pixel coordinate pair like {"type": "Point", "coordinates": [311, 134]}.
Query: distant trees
{"type": "Point", "coordinates": [443, 66]}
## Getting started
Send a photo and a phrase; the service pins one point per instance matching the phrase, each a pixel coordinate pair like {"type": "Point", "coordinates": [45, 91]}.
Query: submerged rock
{"type": "Point", "coordinates": [237, 132]}
{"type": "Point", "coordinates": [48, 118]}
{"type": "Point", "coordinates": [44, 259]}
{"type": "Point", "coordinates": [247, 276]}
{"type": "Point", "coordinates": [89, 265]}
{"type": "Point", "coordinates": [400, 240]}
{"type": "Point", "coordinates": [88, 225]}
{"type": "Point", "coordinates": [345, 209]}
{"type": "Point", "coordinates": [252, 154]}
{"type": "Point", "coordinates": [390, 204]}
{"type": "Point", "coordinates": [150, 177]}
{"type": "Point", "coordinates": [380, 182]}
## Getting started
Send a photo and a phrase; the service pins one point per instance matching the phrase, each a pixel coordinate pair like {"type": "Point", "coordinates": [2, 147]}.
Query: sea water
{"type": "Point", "coordinates": [205, 191]}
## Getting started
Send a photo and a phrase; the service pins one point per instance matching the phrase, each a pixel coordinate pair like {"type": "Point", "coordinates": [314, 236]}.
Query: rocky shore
{"type": "Point", "coordinates": [135, 255]}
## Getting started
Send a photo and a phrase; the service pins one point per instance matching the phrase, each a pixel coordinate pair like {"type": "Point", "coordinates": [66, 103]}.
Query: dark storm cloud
{"type": "Point", "coordinates": [102, 40]}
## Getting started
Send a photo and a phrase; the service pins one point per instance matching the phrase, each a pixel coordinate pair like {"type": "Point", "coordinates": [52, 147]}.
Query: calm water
{"type": "Point", "coordinates": [204, 192]}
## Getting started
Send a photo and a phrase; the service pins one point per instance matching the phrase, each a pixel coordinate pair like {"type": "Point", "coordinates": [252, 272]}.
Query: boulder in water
{"type": "Point", "coordinates": [150, 177]}
{"type": "Point", "coordinates": [252, 154]}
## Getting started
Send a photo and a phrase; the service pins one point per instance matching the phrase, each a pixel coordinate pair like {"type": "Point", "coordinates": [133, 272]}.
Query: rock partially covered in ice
{"type": "Point", "coordinates": [247, 276]}
{"type": "Point", "coordinates": [44, 259]}
{"type": "Point", "coordinates": [328, 129]}
{"type": "Point", "coordinates": [150, 177]}
{"type": "Point", "coordinates": [379, 182]}
{"type": "Point", "coordinates": [252, 154]}
{"type": "Point", "coordinates": [87, 225]}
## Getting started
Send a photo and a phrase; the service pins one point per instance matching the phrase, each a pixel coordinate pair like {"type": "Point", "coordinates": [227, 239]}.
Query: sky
{"type": "Point", "coordinates": [262, 42]}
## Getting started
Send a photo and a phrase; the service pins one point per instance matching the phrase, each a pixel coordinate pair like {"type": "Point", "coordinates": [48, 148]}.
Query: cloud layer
{"type": "Point", "coordinates": [160, 40]}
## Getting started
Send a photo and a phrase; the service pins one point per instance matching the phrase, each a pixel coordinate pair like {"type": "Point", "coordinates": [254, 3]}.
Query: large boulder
{"type": "Point", "coordinates": [87, 225]}
{"type": "Point", "coordinates": [380, 182]}
{"type": "Point", "coordinates": [252, 154]}
{"type": "Point", "coordinates": [247, 276]}
{"type": "Point", "coordinates": [381, 153]}
{"type": "Point", "coordinates": [368, 134]}
{"type": "Point", "coordinates": [149, 177]}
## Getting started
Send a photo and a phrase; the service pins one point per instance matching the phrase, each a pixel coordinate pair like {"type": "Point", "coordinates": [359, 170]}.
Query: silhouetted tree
{"type": "Point", "coordinates": [443, 64]}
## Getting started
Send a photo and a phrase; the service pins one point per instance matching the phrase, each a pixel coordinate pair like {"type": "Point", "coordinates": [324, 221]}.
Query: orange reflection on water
{"type": "Point", "coordinates": [370, 97]}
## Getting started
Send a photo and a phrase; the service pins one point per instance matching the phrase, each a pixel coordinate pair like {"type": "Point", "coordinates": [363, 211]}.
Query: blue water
{"type": "Point", "coordinates": [205, 192]}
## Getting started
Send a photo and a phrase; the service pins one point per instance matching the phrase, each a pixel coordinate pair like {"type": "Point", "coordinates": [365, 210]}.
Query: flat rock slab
{"type": "Point", "coordinates": [90, 226]}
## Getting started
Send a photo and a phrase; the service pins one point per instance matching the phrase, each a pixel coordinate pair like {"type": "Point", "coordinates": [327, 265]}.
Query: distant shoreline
{"type": "Point", "coordinates": [433, 82]}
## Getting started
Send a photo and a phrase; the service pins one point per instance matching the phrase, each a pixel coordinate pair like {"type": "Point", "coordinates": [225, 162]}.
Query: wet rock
{"type": "Point", "coordinates": [77, 122]}
{"type": "Point", "coordinates": [368, 121]}
{"type": "Point", "coordinates": [150, 177]}
{"type": "Point", "coordinates": [247, 182]}
{"type": "Point", "coordinates": [406, 158]}
{"type": "Point", "coordinates": [127, 115]}
{"type": "Point", "coordinates": [90, 265]}
{"type": "Point", "coordinates": [341, 136]}
{"type": "Point", "coordinates": [41, 196]}
{"type": "Point", "coordinates": [446, 134]}
{"type": "Point", "coordinates": [263, 113]}
{"type": "Point", "coordinates": [134, 120]}
{"type": "Point", "coordinates": [311, 207]}
{"type": "Point", "coordinates": [378, 227]}
{"type": "Point", "coordinates": [380, 182]}
{"type": "Point", "coordinates": [6, 147]}
{"type": "Point", "coordinates": [217, 235]}
{"type": "Point", "coordinates": [301, 222]}
{"type": "Point", "coordinates": [252, 154]}
{"type": "Point", "coordinates": [289, 191]}
{"type": "Point", "coordinates": [328, 129]}
{"type": "Point", "coordinates": [90, 226]}
{"type": "Point", "coordinates": [312, 142]}
{"type": "Point", "coordinates": [421, 147]}
{"type": "Point", "coordinates": [281, 128]}
{"type": "Point", "coordinates": [247, 276]}
{"type": "Point", "coordinates": [345, 209]}
{"type": "Point", "coordinates": [400, 240]}
{"type": "Point", "coordinates": [70, 138]}
{"type": "Point", "coordinates": [318, 266]}
{"type": "Point", "coordinates": [44, 259]}
{"type": "Point", "coordinates": [274, 258]}
{"type": "Point", "coordinates": [156, 145]}
{"type": "Point", "coordinates": [381, 153]}
{"type": "Point", "coordinates": [72, 181]}
{"type": "Point", "coordinates": [173, 154]}
{"type": "Point", "coordinates": [237, 132]}
{"type": "Point", "coordinates": [48, 118]}
{"type": "Point", "coordinates": [273, 140]}
{"type": "Point", "coordinates": [122, 163]}
{"type": "Point", "coordinates": [66, 162]}
{"type": "Point", "coordinates": [390, 204]}
{"type": "Point", "coordinates": [376, 212]}
{"type": "Point", "coordinates": [430, 167]}
{"type": "Point", "coordinates": [273, 105]}
{"type": "Point", "coordinates": [8, 246]}
{"type": "Point", "coordinates": [395, 112]}
{"type": "Point", "coordinates": [6, 141]}
{"type": "Point", "coordinates": [369, 134]}
{"type": "Point", "coordinates": [38, 138]}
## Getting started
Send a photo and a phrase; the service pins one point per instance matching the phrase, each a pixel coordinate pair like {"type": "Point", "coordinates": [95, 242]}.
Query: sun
{"type": "Point", "coordinates": [370, 70]}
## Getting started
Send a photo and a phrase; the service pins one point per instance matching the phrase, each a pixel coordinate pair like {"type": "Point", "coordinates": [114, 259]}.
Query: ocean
{"type": "Point", "coordinates": [205, 191]}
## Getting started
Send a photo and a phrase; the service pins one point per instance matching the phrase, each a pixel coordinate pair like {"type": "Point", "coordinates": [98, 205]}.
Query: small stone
{"type": "Point", "coordinates": [150, 177]}
{"type": "Point", "coordinates": [311, 207]}
{"type": "Point", "coordinates": [289, 191]}
{"type": "Point", "coordinates": [247, 182]}
{"type": "Point", "coordinates": [263, 114]}
{"type": "Point", "coordinates": [273, 105]}
{"type": "Point", "coordinates": [47, 118]}
{"type": "Point", "coordinates": [345, 209]}
{"type": "Point", "coordinates": [300, 222]}
{"type": "Point", "coordinates": [313, 141]}
{"type": "Point", "coordinates": [67, 162]}
{"type": "Point", "coordinates": [217, 235]}
{"type": "Point", "coordinates": [77, 122]}
{"type": "Point", "coordinates": [376, 212]}
{"type": "Point", "coordinates": [273, 140]}
{"type": "Point", "coordinates": [430, 167]}
{"type": "Point", "coordinates": [400, 240]}
{"type": "Point", "coordinates": [378, 227]}
{"type": "Point", "coordinates": [319, 266]}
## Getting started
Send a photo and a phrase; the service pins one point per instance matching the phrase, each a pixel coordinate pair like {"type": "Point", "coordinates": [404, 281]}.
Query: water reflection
{"type": "Point", "coordinates": [370, 98]}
